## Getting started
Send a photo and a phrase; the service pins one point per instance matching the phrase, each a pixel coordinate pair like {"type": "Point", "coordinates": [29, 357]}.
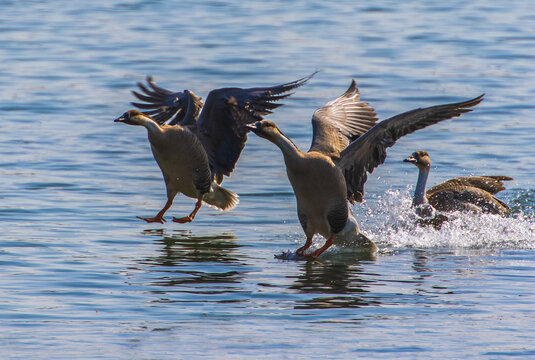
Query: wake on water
{"type": "Point", "coordinates": [390, 221]}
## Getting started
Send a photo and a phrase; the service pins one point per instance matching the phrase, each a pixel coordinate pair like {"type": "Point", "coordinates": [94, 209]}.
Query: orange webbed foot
{"type": "Point", "coordinates": [155, 219]}
{"type": "Point", "coordinates": [183, 220]}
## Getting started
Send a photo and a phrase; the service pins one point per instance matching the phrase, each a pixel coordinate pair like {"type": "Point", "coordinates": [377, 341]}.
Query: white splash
{"type": "Point", "coordinates": [390, 221]}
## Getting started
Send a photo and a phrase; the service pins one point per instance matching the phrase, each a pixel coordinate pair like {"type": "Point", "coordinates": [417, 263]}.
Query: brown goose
{"type": "Point", "coordinates": [470, 193]}
{"type": "Point", "coordinates": [197, 148]}
{"type": "Point", "coordinates": [346, 145]}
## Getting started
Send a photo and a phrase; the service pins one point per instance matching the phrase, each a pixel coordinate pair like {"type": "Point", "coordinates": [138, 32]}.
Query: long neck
{"type": "Point", "coordinates": [419, 192]}
{"type": "Point", "coordinates": [153, 129]}
{"type": "Point", "coordinates": [151, 125]}
{"type": "Point", "coordinates": [288, 148]}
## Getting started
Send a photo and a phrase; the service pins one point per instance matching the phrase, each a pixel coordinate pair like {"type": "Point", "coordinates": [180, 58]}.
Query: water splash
{"type": "Point", "coordinates": [390, 221]}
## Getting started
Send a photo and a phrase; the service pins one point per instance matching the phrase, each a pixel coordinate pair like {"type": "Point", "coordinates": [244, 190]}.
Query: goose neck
{"type": "Point", "coordinates": [288, 148]}
{"type": "Point", "coordinates": [420, 190]}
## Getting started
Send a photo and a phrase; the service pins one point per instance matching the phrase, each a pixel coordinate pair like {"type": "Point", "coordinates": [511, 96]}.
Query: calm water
{"type": "Point", "coordinates": [82, 278]}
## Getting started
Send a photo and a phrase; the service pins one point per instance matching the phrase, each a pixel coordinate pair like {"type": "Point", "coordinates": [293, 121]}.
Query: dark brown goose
{"type": "Point", "coordinates": [470, 193]}
{"type": "Point", "coordinates": [346, 145]}
{"type": "Point", "coordinates": [197, 148]}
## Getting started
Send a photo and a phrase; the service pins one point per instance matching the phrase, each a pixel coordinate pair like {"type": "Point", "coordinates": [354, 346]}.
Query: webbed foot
{"type": "Point", "coordinates": [155, 219]}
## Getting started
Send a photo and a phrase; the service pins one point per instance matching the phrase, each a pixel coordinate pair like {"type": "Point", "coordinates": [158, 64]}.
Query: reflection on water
{"type": "Point", "coordinates": [207, 264]}
{"type": "Point", "coordinates": [344, 280]}
{"type": "Point", "coordinates": [419, 264]}
{"type": "Point", "coordinates": [184, 246]}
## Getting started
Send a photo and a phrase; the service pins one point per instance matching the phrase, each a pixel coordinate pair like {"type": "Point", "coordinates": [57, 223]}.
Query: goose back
{"type": "Point", "coordinates": [472, 193]}
{"type": "Point", "coordinates": [491, 184]}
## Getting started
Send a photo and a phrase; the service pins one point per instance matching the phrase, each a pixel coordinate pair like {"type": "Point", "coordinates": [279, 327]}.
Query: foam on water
{"type": "Point", "coordinates": [392, 223]}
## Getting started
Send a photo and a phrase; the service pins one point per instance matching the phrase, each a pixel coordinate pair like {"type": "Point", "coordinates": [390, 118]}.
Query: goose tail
{"type": "Point", "coordinates": [221, 198]}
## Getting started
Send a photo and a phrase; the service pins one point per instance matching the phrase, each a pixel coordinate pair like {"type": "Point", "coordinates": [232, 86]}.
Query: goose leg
{"type": "Point", "coordinates": [159, 217]}
{"type": "Point", "coordinates": [318, 252]}
{"type": "Point", "coordinates": [302, 249]}
{"type": "Point", "coordinates": [190, 217]}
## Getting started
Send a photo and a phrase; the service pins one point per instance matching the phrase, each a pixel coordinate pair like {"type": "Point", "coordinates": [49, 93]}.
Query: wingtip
{"type": "Point", "coordinates": [302, 81]}
{"type": "Point", "coordinates": [477, 100]}
{"type": "Point", "coordinates": [352, 90]}
{"type": "Point", "coordinates": [466, 105]}
{"type": "Point", "coordinates": [314, 73]}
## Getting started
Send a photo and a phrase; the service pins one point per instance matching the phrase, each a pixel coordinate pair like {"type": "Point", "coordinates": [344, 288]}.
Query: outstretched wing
{"type": "Point", "coordinates": [162, 104]}
{"type": "Point", "coordinates": [341, 121]}
{"type": "Point", "coordinates": [369, 151]}
{"type": "Point", "coordinates": [490, 184]}
{"type": "Point", "coordinates": [221, 124]}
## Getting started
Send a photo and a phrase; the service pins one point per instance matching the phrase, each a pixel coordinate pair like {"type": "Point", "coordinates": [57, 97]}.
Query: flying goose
{"type": "Point", "coordinates": [198, 147]}
{"type": "Point", "coordinates": [467, 193]}
{"type": "Point", "coordinates": [347, 143]}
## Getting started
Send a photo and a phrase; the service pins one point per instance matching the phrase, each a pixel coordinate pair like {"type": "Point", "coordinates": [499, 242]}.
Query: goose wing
{"type": "Point", "coordinates": [490, 184]}
{"type": "Point", "coordinates": [369, 151]}
{"type": "Point", "coordinates": [164, 105]}
{"type": "Point", "coordinates": [466, 198]}
{"type": "Point", "coordinates": [341, 121]}
{"type": "Point", "coordinates": [221, 124]}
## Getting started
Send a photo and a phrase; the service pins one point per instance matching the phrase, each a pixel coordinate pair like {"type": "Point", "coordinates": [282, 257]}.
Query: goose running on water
{"type": "Point", "coordinates": [197, 148]}
{"type": "Point", "coordinates": [468, 193]}
{"type": "Point", "coordinates": [346, 145]}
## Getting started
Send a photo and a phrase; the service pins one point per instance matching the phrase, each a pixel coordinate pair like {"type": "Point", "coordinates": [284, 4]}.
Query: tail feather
{"type": "Point", "coordinates": [221, 198]}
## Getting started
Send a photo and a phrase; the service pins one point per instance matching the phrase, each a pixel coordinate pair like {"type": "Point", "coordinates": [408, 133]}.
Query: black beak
{"type": "Point", "coordinates": [411, 159]}
{"type": "Point", "coordinates": [120, 119]}
{"type": "Point", "coordinates": [253, 127]}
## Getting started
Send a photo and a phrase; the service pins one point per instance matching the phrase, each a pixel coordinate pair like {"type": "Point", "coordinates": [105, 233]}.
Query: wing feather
{"type": "Point", "coordinates": [221, 123]}
{"type": "Point", "coordinates": [369, 151]}
{"type": "Point", "coordinates": [490, 184]}
{"type": "Point", "coordinates": [340, 121]}
{"type": "Point", "coordinates": [166, 106]}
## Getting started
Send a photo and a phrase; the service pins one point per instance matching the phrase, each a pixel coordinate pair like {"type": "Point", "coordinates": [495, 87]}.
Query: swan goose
{"type": "Point", "coordinates": [467, 193]}
{"type": "Point", "coordinates": [346, 145]}
{"type": "Point", "coordinates": [201, 143]}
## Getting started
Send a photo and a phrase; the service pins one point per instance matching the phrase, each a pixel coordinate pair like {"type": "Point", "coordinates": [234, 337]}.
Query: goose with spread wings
{"type": "Point", "coordinates": [196, 144]}
{"type": "Point", "coordinates": [347, 144]}
{"type": "Point", "coordinates": [464, 193]}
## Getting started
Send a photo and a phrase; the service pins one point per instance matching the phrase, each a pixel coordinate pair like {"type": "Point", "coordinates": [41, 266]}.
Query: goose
{"type": "Point", "coordinates": [347, 143]}
{"type": "Point", "coordinates": [466, 193]}
{"type": "Point", "coordinates": [201, 143]}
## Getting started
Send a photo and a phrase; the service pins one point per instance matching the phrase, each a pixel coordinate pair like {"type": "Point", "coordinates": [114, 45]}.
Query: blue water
{"type": "Point", "coordinates": [82, 278]}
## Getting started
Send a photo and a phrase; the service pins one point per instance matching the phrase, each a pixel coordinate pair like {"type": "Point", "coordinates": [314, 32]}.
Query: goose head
{"type": "Point", "coordinates": [266, 129]}
{"type": "Point", "coordinates": [420, 158]}
{"type": "Point", "coordinates": [133, 117]}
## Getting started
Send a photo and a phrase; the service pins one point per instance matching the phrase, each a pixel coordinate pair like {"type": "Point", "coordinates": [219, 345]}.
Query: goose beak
{"type": "Point", "coordinates": [120, 119]}
{"type": "Point", "coordinates": [253, 127]}
{"type": "Point", "coordinates": [411, 159]}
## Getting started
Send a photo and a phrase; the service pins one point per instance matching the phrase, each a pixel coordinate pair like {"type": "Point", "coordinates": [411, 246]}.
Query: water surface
{"type": "Point", "coordinates": [82, 278]}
